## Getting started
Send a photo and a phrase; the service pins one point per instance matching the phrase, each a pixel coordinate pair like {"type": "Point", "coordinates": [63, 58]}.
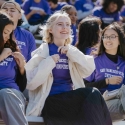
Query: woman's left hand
{"type": "Point", "coordinates": [20, 60]}
{"type": "Point", "coordinates": [63, 49]}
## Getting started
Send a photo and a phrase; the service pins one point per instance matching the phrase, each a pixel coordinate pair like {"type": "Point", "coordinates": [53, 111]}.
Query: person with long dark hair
{"type": "Point", "coordinates": [24, 38]}
{"type": "Point", "coordinates": [55, 80]}
{"type": "Point", "coordinates": [110, 69]}
{"type": "Point", "coordinates": [89, 31]}
{"type": "Point", "coordinates": [12, 76]}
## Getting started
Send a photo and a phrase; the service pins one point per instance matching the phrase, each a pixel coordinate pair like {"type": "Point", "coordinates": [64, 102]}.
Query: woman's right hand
{"type": "Point", "coordinates": [5, 53]}
{"type": "Point", "coordinates": [115, 80]}
{"type": "Point", "coordinates": [56, 57]}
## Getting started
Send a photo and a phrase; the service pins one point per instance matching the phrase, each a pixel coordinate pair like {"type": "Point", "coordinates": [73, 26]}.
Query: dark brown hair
{"type": "Point", "coordinates": [88, 33]}
{"type": "Point", "coordinates": [5, 20]}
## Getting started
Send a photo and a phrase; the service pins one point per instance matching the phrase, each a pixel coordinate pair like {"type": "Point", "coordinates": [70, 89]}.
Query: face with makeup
{"type": "Point", "coordinates": [73, 15]}
{"type": "Point", "coordinates": [111, 40]}
{"type": "Point", "coordinates": [61, 28]}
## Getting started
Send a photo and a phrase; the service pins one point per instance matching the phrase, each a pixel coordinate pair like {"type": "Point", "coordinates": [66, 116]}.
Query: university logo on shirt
{"type": "Point", "coordinates": [62, 66]}
{"type": "Point", "coordinates": [20, 44]}
{"type": "Point", "coordinates": [6, 61]}
{"type": "Point", "coordinates": [111, 72]}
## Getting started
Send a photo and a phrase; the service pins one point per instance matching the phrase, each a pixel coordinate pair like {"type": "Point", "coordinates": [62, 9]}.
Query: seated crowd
{"type": "Point", "coordinates": [81, 58]}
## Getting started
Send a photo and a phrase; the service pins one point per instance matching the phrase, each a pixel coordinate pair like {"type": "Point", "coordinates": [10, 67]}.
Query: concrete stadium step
{"type": "Point", "coordinates": [32, 120]}
{"type": "Point", "coordinates": [119, 123]}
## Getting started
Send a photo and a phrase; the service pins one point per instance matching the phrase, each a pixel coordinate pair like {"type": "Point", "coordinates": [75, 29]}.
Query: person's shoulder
{"type": "Point", "coordinates": [24, 31]}
{"type": "Point", "coordinates": [43, 46]}
{"type": "Point", "coordinates": [78, 2]}
{"type": "Point", "coordinates": [99, 58]}
{"type": "Point", "coordinates": [121, 59]}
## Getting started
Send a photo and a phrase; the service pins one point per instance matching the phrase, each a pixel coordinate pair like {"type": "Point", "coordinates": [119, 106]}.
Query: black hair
{"type": "Point", "coordinates": [66, 1]}
{"type": "Point", "coordinates": [4, 21]}
{"type": "Point", "coordinates": [88, 33]}
{"type": "Point", "coordinates": [20, 21]}
{"type": "Point", "coordinates": [121, 48]}
{"type": "Point", "coordinates": [119, 3]}
{"type": "Point", "coordinates": [53, 1]}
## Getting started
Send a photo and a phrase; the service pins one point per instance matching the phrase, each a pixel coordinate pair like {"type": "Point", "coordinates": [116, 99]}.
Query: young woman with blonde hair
{"type": "Point", "coordinates": [55, 80]}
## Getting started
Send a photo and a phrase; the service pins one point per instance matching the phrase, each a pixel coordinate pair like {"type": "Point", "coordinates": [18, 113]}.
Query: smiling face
{"type": "Point", "coordinates": [7, 31]}
{"type": "Point", "coordinates": [13, 12]}
{"type": "Point", "coordinates": [111, 40]}
{"type": "Point", "coordinates": [112, 7]}
{"type": "Point", "coordinates": [61, 29]}
{"type": "Point", "coordinates": [73, 15]}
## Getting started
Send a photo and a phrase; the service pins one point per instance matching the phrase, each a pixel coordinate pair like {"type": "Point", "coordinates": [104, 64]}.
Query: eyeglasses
{"type": "Point", "coordinates": [112, 37]}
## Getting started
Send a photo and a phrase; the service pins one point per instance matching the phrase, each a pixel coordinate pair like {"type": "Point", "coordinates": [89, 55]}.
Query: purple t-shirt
{"type": "Point", "coordinates": [84, 5]}
{"type": "Point", "coordinates": [107, 18]}
{"type": "Point", "coordinates": [30, 5]}
{"type": "Point", "coordinates": [19, 1]}
{"type": "Point", "coordinates": [105, 68]}
{"type": "Point", "coordinates": [73, 27]}
{"type": "Point", "coordinates": [25, 42]}
{"type": "Point", "coordinates": [8, 68]}
{"type": "Point", "coordinates": [62, 80]}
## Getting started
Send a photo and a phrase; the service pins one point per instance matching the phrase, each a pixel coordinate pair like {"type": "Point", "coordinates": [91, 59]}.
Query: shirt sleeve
{"type": "Point", "coordinates": [26, 6]}
{"type": "Point", "coordinates": [78, 5]}
{"type": "Point", "coordinates": [91, 77]}
{"type": "Point", "coordinates": [117, 17]}
{"type": "Point", "coordinates": [47, 8]}
{"type": "Point", "coordinates": [122, 13]}
{"type": "Point", "coordinates": [99, 84]}
{"type": "Point", "coordinates": [96, 13]}
{"type": "Point", "coordinates": [90, 81]}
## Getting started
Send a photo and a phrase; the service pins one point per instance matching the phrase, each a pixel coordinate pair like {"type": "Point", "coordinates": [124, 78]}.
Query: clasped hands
{"type": "Point", "coordinates": [62, 50]}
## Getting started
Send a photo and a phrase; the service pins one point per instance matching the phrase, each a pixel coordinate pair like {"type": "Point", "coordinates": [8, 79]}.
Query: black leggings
{"type": "Point", "coordinates": [84, 106]}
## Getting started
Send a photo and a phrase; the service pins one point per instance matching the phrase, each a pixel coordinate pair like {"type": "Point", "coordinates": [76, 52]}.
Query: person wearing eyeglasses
{"type": "Point", "coordinates": [110, 68]}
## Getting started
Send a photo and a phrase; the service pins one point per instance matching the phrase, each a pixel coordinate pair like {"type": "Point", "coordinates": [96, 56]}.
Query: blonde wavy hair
{"type": "Point", "coordinates": [47, 36]}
